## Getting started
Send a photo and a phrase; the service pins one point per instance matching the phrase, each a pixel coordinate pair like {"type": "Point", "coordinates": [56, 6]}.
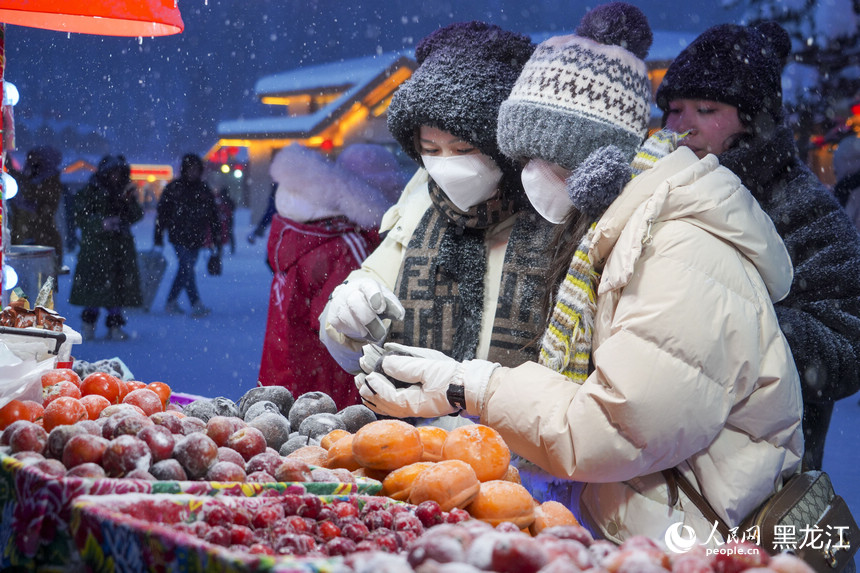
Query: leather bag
{"type": "Point", "coordinates": [805, 518]}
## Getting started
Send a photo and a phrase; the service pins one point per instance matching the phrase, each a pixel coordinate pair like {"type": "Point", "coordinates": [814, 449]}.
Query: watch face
{"type": "Point", "coordinates": [457, 396]}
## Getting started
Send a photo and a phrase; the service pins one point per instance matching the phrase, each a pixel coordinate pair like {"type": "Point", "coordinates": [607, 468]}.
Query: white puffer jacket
{"type": "Point", "coordinates": [691, 368]}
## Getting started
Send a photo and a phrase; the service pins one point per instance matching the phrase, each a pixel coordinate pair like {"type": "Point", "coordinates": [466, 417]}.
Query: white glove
{"type": "Point", "coordinates": [430, 374]}
{"type": "Point", "coordinates": [358, 307]}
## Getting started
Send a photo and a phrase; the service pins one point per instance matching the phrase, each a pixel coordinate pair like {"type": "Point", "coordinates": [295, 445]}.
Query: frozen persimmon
{"type": "Point", "coordinates": [13, 411]}
{"type": "Point", "coordinates": [145, 399]}
{"type": "Point", "coordinates": [51, 377]}
{"type": "Point", "coordinates": [61, 388]}
{"type": "Point", "coordinates": [103, 384]}
{"type": "Point", "coordinates": [162, 389]}
{"type": "Point", "coordinates": [94, 404]}
{"type": "Point", "coordinates": [63, 411]}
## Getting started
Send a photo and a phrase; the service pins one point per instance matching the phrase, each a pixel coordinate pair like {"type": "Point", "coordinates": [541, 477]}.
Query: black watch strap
{"type": "Point", "coordinates": [457, 396]}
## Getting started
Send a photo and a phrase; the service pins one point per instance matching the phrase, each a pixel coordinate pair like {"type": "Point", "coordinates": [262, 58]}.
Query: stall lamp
{"type": "Point", "coordinates": [10, 186]}
{"type": "Point", "coordinates": [237, 174]}
{"type": "Point", "coordinates": [10, 277]}
{"type": "Point", "coordinates": [10, 94]}
{"type": "Point", "coordinates": [225, 168]}
{"type": "Point", "coordinates": [140, 18]}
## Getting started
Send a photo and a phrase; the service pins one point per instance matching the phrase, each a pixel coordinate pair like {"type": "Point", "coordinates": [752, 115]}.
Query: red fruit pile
{"type": "Point", "coordinates": [307, 526]}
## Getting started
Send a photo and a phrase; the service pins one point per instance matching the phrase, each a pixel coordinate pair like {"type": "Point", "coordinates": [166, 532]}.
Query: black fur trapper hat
{"type": "Point", "coordinates": [465, 71]}
{"type": "Point", "coordinates": [737, 65]}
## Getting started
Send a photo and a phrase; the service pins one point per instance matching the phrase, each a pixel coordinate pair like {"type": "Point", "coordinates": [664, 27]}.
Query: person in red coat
{"type": "Point", "coordinates": [326, 221]}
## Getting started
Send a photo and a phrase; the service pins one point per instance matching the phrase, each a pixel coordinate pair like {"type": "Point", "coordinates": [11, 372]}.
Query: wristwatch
{"type": "Point", "coordinates": [456, 394]}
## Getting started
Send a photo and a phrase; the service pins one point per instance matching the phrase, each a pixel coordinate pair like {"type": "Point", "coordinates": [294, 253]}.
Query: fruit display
{"type": "Point", "coordinates": [132, 439]}
{"type": "Point", "coordinates": [467, 468]}
{"type": "Point", "coordinates": [351, 534]}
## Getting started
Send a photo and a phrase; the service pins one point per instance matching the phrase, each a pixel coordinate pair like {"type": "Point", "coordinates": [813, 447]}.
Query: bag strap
{"type": "Point", "coordinates": [675, 480]}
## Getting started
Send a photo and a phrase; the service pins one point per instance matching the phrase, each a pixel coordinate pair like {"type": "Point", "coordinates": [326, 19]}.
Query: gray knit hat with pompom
{"type": "Point", "coordinates": [581, 92]}
{"type": "Point", "coordinates": [584, 96]}
{"type": "Point", "coordinates": [465, 71]}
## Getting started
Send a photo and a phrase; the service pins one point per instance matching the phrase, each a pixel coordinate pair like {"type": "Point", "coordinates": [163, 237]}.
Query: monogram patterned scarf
{"type": "Point", "coordinates": [441, 283]}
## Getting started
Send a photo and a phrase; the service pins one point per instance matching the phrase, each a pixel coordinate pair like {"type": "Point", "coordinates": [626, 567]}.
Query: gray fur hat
{"type": "Point", "coordinates": [583, 94]}
{"type": "Point", "coordinates": [465, 71]}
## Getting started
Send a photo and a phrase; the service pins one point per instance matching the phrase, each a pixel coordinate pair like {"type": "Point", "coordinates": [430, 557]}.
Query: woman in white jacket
{"type": "Point", "coordinates": [459, 269]}
{"type": "Point", "coordinates": [679, 363]}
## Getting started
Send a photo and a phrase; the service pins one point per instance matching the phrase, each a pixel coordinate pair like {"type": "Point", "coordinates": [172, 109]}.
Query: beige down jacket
{"type": "Point", "coordinates": [384, 264]}
{"type": "Point", "coordinates": [691, 368]}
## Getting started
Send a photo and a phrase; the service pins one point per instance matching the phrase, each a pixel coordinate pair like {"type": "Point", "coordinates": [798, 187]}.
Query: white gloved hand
{"type": "Point", "coordinates": [429, 377]}
{"type": "Point", "coordinates": [357, 309]}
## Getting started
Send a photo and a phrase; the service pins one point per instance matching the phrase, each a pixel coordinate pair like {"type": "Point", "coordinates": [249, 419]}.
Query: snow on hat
{"type": "Point", "coordinates": [307, 173]}
{"type": "Point", "coordinates": [465, 71]}
{"type": "Point", "coordinates": [737, 65]}
{"type": "Point", "coordinates": [584, 93]}
{"type": "Point", "coordinates": [377, 166]}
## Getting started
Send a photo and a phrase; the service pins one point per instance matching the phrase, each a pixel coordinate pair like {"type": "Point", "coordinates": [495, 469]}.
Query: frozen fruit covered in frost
{"type": "Point", "coordinates": [202, 408]}
{"type": "Point", "coordinates": [310, 403]}
{"type": "Point", "coordinates": [196, 452]}
{"type": "Point", "coordinates": [356, 416]}
{"type": "Point", "coordinates": [316, 426]}
{"type": "Point", "coordinates": [258, 408]}
{"type": "Point", "coordinates": [295, 442]}
{"type": "Point", "coordinates": [275, 428]}
{"type": "Point", "coordinates": [247, 441]}
{"type": "Point", "coordinates": [225, 407]}
{"type": "Point", "coordinates": [125, 453]}
{"type": "Point", "coordinates": [168, 470]}
{"type": "Point", "coordinates": [279, 395]}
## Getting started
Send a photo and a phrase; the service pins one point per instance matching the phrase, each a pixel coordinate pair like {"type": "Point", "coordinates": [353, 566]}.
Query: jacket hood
{"type": "Point", "coordinates": [303, 172]}
{"type": "Point", "coordinates": [291, 241]}
{"type": "Point", "coordinates": [702, 193]}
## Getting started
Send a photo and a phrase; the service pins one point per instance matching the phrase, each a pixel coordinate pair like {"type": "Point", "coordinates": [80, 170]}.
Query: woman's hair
{"type": "Point", "coordinates": [560, 250]}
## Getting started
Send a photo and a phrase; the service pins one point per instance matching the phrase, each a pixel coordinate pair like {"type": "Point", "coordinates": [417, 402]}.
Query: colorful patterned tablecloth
{"type": "Point", "coordinates": [35, 508]}
{"type": "Point", "coordinates": [134, 533]}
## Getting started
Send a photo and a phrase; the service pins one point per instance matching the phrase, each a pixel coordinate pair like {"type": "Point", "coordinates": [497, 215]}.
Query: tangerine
{"type": "Point", "coordinates": [162, 389]}
{"type": "Point", "coordinates": [61, 388]}
{"type": "Point", "coordinates": [103, 384]}
{"type": "Point", "coordinates": [13, 411]}
{"type": "Point", "coordinates": [94, 403]}
{"type": "Point", "coordinates": [65, 410]}
{"type": "Point", "coordinates": [51, 377]}
{"type": "Point", "coordinates": [145, 399]}
{"type": "Point", "coordinates": [36, 410]}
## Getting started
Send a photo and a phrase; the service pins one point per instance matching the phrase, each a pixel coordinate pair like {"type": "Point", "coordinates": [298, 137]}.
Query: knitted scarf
{"type": "Point", "coordinates": [441, 281]}
{"type": "Point", "coordinates": [566, 343]}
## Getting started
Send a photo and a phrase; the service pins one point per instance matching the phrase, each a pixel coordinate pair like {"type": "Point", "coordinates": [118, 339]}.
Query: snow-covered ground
{"type": "Point", "coordinates": [220, 355]}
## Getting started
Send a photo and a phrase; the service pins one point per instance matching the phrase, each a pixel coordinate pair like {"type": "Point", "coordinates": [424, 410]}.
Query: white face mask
{"type": "Point", "coordinates": [545, 186]}
{"type": "Point", "coordinates": [467, 180]}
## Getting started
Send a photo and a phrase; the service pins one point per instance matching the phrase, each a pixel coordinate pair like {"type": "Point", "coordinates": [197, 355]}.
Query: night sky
{"type": "Point", "coordinates": [155, 98]}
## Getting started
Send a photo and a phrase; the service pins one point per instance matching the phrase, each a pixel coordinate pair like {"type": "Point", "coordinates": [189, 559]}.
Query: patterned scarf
{"type": "Point", "coordinates": [566, 343]}
{"type": "Point", "coordinates": [441, 283]}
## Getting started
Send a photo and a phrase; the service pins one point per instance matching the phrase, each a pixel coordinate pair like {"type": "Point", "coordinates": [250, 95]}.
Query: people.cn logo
{"type": "Point", "coordinates": [680, 538]}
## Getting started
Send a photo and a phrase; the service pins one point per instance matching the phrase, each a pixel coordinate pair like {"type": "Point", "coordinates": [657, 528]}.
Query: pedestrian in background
{"type": "Point", "coordinates": [725, 90]}
{"type": "Point", "coordinates": [34, 208]}
{"type": "Point", "coordinates": [326, 223]}
{"type": "Point", "coordinates": [187, 212]}
{"type": "Point", "coordinates": [106, 274]}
